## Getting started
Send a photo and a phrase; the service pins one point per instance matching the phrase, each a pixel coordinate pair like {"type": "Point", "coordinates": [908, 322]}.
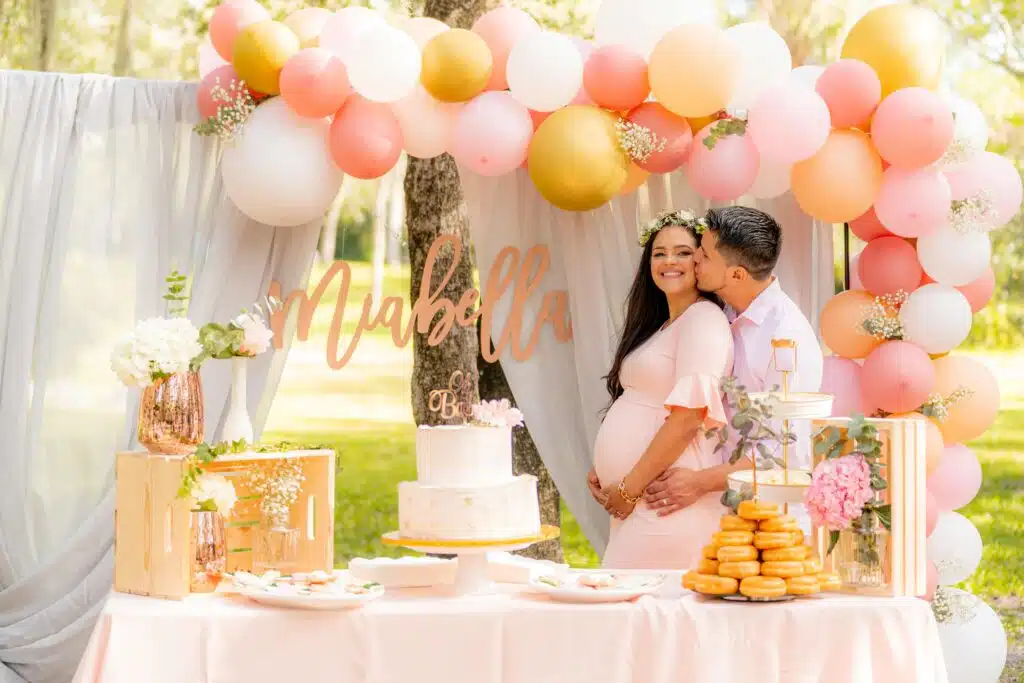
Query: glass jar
{"type": "Point", "coordinates": [277, 545]}
{"type": "Point", "coordinates": [208, 554]}
{"type": "Point", "coordinates": [862, 555]}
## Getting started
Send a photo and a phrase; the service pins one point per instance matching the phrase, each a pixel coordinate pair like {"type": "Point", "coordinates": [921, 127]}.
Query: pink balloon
{"type": "Point", "coordinates": [365, 139]}
{"type": "Point", "coordinates": [889, 265]}
{"type": "Point", "coordinates": [851, 90]}
{"type": "Point", "coordinates": [725, 172]}
{"type": "Point", "coordinates": [841, 378]}
{"type": "Point", "coordinates": [897, 377]}
{"type": "Point", "coordinates": [957, 479]}
{"type": "Point", "coordinates": [931, 513]}
{"type": "Point", "coordinates": [913, 202]}
{"type": "Point", "coordinates": [855, 282]}
{"type": "Point", "coordinates": [867, 227]}
{"type": "Point", "coordinates": [931, 581]}
{"type": "Point", "coordinates": [615, 77]}
{"type": "Point", "coordinates": [993, 177]}
{"type": "Point", "coordinates": [912, 128]}
{"type": "Point", "coordinates": [314, 83]}
{"type": "Point", "coordinates": [492, 134]}
{"type": "Point", "coordinates": [223, 76]}
{"type": "Point", "coordinates": [229, 18]}
{"type": "Point", "coordinates": [979, 292]}
{"type": "Point", "coordinates": [788, 123]}
{"type": "Point", "coordinates": [673, 129]}
{"type": "Point", "coordinates": [501, 28]}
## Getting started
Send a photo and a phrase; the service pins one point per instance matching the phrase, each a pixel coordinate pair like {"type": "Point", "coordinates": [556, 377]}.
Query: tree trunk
{"type": "Point", "coordinates": [123, 52]}
{"type": "Point", "coordinates": [46, 16]}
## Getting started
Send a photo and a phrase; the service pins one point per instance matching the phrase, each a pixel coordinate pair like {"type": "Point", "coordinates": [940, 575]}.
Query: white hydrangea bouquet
{"type": "Point", "coordinates": [497, 414]}
{"type": "Point", "coordinates": [213, 493]}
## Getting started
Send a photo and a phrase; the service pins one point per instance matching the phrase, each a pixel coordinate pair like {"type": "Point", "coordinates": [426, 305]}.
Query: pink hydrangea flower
{"type": "Point", "coordinates": [840, 487]}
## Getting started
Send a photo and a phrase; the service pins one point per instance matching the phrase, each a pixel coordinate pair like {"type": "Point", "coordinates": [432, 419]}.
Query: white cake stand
{"type": "Point", "coordinates": [471, 577]}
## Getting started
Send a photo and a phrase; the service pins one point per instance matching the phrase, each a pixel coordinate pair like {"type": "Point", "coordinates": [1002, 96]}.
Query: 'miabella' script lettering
{"type": "Point", "coordinates": [434, 315]}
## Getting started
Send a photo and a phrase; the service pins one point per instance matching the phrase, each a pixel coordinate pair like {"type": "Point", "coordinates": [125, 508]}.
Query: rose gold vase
{"type": "Point", "coordinates": [207, 551]}
{"type": "Point", "coordinates": [171, 414]}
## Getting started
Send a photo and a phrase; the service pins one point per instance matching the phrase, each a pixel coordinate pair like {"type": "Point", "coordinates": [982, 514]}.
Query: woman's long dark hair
{"type": "Point", "coordinates": [646, 312]}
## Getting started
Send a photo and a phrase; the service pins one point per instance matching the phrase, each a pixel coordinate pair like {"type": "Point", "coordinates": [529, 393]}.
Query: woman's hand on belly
{"type": "Point", "coordinates": [676, 488]}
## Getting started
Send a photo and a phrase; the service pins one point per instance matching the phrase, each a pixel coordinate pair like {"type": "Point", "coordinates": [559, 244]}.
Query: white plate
{"type": "Point", "coordinates": [311, 601]}
{"type": "Point", "coordinates": [629, 587]}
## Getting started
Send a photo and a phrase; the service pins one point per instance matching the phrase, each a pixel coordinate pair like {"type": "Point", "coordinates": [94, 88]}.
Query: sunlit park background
{"type": "Point", "coordinates": [364, 409]}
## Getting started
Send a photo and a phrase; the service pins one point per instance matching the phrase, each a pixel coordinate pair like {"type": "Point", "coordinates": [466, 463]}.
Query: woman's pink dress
{"type": "Point", "coordinates": [680, 366]}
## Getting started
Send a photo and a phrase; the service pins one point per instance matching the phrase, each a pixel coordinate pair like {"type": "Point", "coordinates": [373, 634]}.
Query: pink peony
{"type": "Point", "coordinates": [839, 489]}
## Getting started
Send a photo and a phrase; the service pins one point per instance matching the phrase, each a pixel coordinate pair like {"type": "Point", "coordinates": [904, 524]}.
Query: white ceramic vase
{"type": "Point", "coordinates": [237, 424]}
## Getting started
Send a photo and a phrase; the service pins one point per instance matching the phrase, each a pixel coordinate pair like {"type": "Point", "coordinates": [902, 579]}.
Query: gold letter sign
{"type": "Point", "coordinates": [522, 275]}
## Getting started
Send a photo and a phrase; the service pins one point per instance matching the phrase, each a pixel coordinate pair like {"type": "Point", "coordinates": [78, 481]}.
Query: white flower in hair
{"type": "Point", "coordinates": [497, 414]}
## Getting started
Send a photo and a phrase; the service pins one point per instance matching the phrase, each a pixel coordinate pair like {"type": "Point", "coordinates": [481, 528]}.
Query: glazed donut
{"type": "Point", "coordinates": [783, 569]}
{"type": "Point", "coordinates": [829, 582]}
{"type": "Point", "coordinates": [769, 540]}
{"type": "Point", "coordinates": [690, 579]}
{"type": "Point", "coordinates": [711, 552]}
{"type": "Point", "coordinates": [724, 538]}
{"type": "Point", "coordinates": [796, 553]}
{"type": "Point", "coordinates": [780, 523]}
{"type": "Point", "coordinates": [798, 537]}
{"type": "Point", "coordinates": [763, 587]}
{"type": "Point", "coordinates": [803, 585]}
{"type": "Point", "coordinates": [706, 566]}
{"type": "Point", "coordinates": [756, 510]}
{"type": "Point", "coordinates": [737, 553]}
{"type": "Point", "coordinates": [736, 523]}
{"type": "Point", "coordinates": [812, 566]}
{"type": "Point", "coordinates": [716, 585]}
{"type": "Point", "coordinates": [739, 570]}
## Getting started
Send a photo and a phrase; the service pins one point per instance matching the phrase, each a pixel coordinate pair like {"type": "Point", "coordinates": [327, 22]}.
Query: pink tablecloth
{"type": "Point", "coordinates": [514, 637]}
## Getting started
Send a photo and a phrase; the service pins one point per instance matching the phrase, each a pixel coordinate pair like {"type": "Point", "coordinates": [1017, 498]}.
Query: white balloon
{"type": "Point", "coordinates": [974, 646]}
{"type": "Point", "coordinates": [954, 548]}
{"type": "Point", "coordinates": [640, 24]}
{"type": "Point", "coordinates": [341, 33]}
{"type": "Point", "coordinates": [772, 181]}
{"type": "Point", "coordinates": [545, 71]}
{"type": "Point", "coordinates": [426, 123]}
{"type": "Point", "coordinates": [279, 171]}
{"type": "Point", "coordinates": [764, 58]}
{"type": "Point", "coordinates": [209, 59]}
{"type": "Point", "coordinates": [936, 317]}
{"type": "Point", "coordinates": [806, 75]}
{"type": "Point", "coordinates": [970, 129]}
{"type": "Point", "coordinates": [954, 258]}
{"type": "Point", "coordinates": [386, 67]}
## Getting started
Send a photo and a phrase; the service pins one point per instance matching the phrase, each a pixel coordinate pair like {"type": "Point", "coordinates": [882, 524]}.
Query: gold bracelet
{"type": "Point", "coordinates": [632, 500]}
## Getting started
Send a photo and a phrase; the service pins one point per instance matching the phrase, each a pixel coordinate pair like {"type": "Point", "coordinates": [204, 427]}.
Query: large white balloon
{"type": "Point", "coordinates": [426, 124]}
{"type": "Point", "coordinates": [279, 171]}
{"type": "Point", "coordinates": [973, 645]}
{"type": "Point", "coordinates": [936, 317]}
{"type": "Point", "coordinates": [970, 130]}
{"type": "Point", "coordinates": [386, 67]}
{"type": "Point", "coordinates": [806, 75]}
{"type": "Point", "coordinates": [954, 548]}
{"type": "Point", "coordinates": [764, 58]}
{"type": "Point", "coordinates": [954, 258]}
{"type": "Point", "coordinates": [208, 58]}
{"type": "Point", "coordinates": [772, 181]}
{"type": "Point", "coordinates": [640, 24]}
{"type": "Point", "coordinates": [341, 33]}
{"type": "Point", "coordinates": [544, 71]}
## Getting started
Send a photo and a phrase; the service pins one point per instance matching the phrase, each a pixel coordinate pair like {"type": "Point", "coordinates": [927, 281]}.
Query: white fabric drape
{"type": "Point", "coordinates": [104, 188]}
{"type": "Point", "coordinates": [560, 389]}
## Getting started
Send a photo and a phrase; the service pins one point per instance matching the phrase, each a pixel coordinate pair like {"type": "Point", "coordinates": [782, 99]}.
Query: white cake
{"type": "Point", "coordinates": [465, 490]}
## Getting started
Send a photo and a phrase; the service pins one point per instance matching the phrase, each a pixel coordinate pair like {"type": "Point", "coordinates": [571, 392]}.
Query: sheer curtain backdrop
{"type": "Point", "coordinates": [104, 188]}
{"type": "Point", "coordinates": [560, 389]}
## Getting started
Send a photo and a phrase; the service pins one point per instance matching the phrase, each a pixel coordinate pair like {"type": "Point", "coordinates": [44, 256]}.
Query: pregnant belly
{"type": "Point", "coordinates": [624, 436]}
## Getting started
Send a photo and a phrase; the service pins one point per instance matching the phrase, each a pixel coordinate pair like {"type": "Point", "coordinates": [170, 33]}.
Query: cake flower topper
{"type": "Point", "coordinates": [486, 413]}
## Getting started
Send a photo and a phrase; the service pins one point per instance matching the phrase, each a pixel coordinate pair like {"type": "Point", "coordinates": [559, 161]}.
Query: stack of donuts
{"type": "Point", "coordinates": [759, 553]}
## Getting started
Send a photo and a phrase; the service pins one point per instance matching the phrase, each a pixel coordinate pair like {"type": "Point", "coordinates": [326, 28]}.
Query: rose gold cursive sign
{"type": "Point", "coordinates": [522, 275]}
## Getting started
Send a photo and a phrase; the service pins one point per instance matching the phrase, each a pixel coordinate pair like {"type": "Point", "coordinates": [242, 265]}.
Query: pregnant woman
{"type": "Point", "coordinates": [676, 346]}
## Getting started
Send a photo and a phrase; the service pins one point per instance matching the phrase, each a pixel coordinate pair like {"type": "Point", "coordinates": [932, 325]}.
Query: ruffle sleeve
{"type": "Point", "coordinates": [696, 391]}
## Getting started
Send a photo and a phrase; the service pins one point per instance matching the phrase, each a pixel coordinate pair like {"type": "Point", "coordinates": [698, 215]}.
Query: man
{"type": "Point", "coordinates": [738, 252]}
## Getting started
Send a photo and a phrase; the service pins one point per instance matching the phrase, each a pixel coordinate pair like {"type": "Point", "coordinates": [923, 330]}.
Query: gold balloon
{"type": "Point", "coordinates": [260, 52]}
{"type": "Point", "coordinates": [904, 44]}
{"type": "Point", "coordinates": [456, 65]}
{"type": "Point", "coordinates": [575, 160]}
{"type": "Point", "coordinates": [697, 123]}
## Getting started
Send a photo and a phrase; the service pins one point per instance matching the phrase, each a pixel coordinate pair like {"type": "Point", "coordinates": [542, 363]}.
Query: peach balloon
{"type": "Point", "coordinates": [365, 138]}
{"type": "Point", "coordinates": [851, 90]}
{"type": "Point", "coordinates": [229, 18]}
{"type": "Point", "coordinates": [307, 23]}
{"type": "Point", "coordinates": [841, 181]}
{"type": "Point", "coordinates": [934, 444]}
{"type": "Point", "coordinates": [889, 265]}
{"type": "Point", "coordinates": [314, 83]}
{"type": "Point", "coordinates": [726, 171]}
{"type": "Point", "coordinates": [912, 128]}
{"type": "Point", "coordinates": [500, 29]}
{"type": "Point", "coordinates": [897, 376]}
{"type": "Point", "coordinates": [979, 292]}
{"type": "Point", "coordinates": [674, 130]}
{"type": "Point", "coordinates": [637, 177]}
{"type": "Point", "coordinates": [841, 324]}
{"type": "Point", "coordinates": [694, 70]}
{"type": "Point", "coordinates": [867, 226]}
{"type": "Point", "coordinates": [969, 418]}
{"type": "Point", "coordinates": [615, 77]}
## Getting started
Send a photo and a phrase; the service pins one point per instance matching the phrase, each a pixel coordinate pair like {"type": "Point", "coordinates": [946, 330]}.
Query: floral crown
{"type": "Point", "coordinates": [682, 218]}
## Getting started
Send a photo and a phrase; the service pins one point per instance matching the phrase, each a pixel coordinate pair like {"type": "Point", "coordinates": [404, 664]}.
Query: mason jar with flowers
{"type": "Point", "coordinates": [278, 484]}
{"type": "Point", "coordinates": [214, 498]}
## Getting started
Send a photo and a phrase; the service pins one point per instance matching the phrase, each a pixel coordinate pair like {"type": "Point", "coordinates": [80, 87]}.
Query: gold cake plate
{"type": "Point", "coordinates": [744, 598]}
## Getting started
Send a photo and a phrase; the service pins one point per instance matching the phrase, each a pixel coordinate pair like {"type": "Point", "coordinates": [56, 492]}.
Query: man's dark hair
{"type": "Point", "coordinates": [747, 237]}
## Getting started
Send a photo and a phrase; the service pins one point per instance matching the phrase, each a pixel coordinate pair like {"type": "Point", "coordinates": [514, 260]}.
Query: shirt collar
{"type": "Point", "coordinates": [758, 309]}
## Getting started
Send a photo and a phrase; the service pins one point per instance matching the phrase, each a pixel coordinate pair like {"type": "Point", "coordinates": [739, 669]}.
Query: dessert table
{"type": "Point", "coordinates": [516, 636]}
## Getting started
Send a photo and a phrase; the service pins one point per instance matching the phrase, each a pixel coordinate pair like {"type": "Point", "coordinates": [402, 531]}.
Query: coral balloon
{"type": "Point", "coordinates": [544, 71]}
{"type": "Point", "coordinates": [936, 317]}
{"type": "Point", "coordinates": [694, 70]}
{"type": "Point", "coordinates": [897, 376]}
{"type": "Point", "coordinates": [342, 31]}
{"type": "Point", "coordinates": [427, 125]}
{"type": "Point", "coordinates": [912, 128]}
{"type": "Point", "coordinates": [261, 51]}
{"type": "Point", "coordinates": [422, 29]}
{"type": "Point", "coordinates": [223, 77]}
{"type": "Point", "coordinates": [931, 513]}
{"type": "Point", "coordinates": [867, 226]}
{"type": "Point", "coordinates": [957, 479]}
{"type": "Point", "coordinates": [842, 324]}
{"type": "Point", "coordinates": [851, 90]}
{"type": "Point", "coordinates": [765, 61]}
{"type": "Point", "coordinates": [637, 177]}
{"type": "Point", "coordinates": [386, 67]}
{"type": "Point", "coordinates": [365, 139]}
{"type": "Point", "coordinates": [788, 123]}
{"type": "Point", "coordinates": [229, 18]}
{"type": "Point", "coordinates": [575, 159]}
{"type": "Point", "coordinates": [615, 77]}
{"type": "Point", "coordinates": [889, 265]}
{"type": "Point", "coordinates": [307, 24]}
{"type": "Point", "coordinates": [904, 44]}
{"type": "Point", "coordinates": [954, 258]}
{"type": "Point", "coordinates": [970, 417]}
{"type": "Point", "coordinates": [913, 202]}
{"type": "Point", "coordinates": [993, 180]}
{"type": "Point", "coordinates": [501, 29]}
{"type": "Point", "coordinates": [841, 181]}
{"type": "Point", "coordinates": [674, 130]}
{"type": "Point", "coordinates": [841, 378]}
{"type": "Point", "coordinates": [314, 83]}
{"type": "Point", "coordinates": [726, 171]}
{"type": "Point", "coordinates": [492, 134]}
{"type": "Point", "coordinates": [979, 292]}
{"type": "Point", "coordinates": [456, 66]}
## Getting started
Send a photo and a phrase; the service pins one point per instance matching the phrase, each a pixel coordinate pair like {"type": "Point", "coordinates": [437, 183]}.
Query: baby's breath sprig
{"type": "Point", "coordinates": [278, 485]}
{"type": "Point", "coordinates": [937, 406]}
{"type": "Point", "coordinates": [958, 152]}
{"type": "Point", "coordinates": [234, 105]}
{"type": "Point", "coordinates": [882, 320]}
{"type": "Point", "coordinates": [639, 142]}
{"type": "Point", "coordinates": [951, 607]}
{"type": "Point", "coordinates": [971, 214]}
{"type": "Point", "coordinates": [723, 128]}
{"type": "Point", "coordinates": [682, 218]}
